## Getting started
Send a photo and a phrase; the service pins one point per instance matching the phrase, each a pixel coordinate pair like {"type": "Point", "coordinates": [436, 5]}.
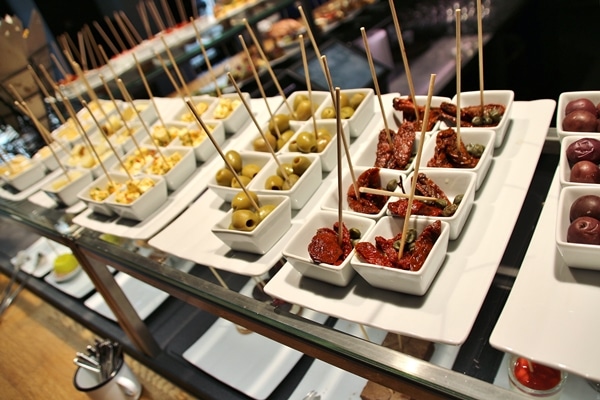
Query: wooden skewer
{"type": "Point", "coordinates": [82, 50]}
{"type": "Point", "coordinates": [207, 60]}
{"type": "Point", "coordinates": [268, 65]}
{"type": "Point", "coordinates": [170, 76]}
{"type": "Point", "coordinates": [130, 26]}
{"type": "Point", "coordinates": [141, 8]}
{"type": "Point", "coordinates": [458, 75]}
{"type": "Point", "coordinates": [109, 42]}
{"type": "Point", "coordinates": [156, 15]}
{"type": "Point", "coordinates": [416, 170]}
{"type": "Point", "coordinates": [70, 47]}
{"type": "Point", "coordinates": [107, 61]}
{"type": "Point", "coordinates": [89, 49]}
{"type": "Point", "coordinates": [91, 92]}
{"type": "Point", "coordinates": [480, 50]}
{"type": "Point", "coordinates": [59, 66]}
{"type": "Point", "coordinates": [93, 44]}
{"type": "Point", "coordinates": [168, 14]}
{"type": "Point", "coordinates": [364, 332]}
{"type": "Point", "coordinates": [176, 67]}
{"type": "Point", "coordinates": [113, 30]}
{"type": "Point", "coordinates": [411, 87]}
{"type": "Point", "coordinates": [181, 11]}
{"type": "Point", "coordinates": [42, 87]}
{"type": "Point", "coordinates": [194, 9]}
{"type": "Point", "coordinates": [364, 189]}
{"type": "Point", "coordinates": [338, 121]}
{"type": "Point", "coordinates": [220, 151]}
{"type": "Point", "coordinates": [124, 30]}
{"type": "Point", "coordinates": [376, 83]}
{"type": "Point", "coordinates": [309, 31]}
{"type": "Point", "coordinates": [307, 79]}
{"type": "Point", "coordinates": [148, 91]}
{"type": "Point", "coordinates": [262, 133]}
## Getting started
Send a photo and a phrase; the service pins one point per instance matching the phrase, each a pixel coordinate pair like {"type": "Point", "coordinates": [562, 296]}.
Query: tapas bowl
{"type": "Point", "coordinates": [47, 155]}
{"type": "Point", "coordinates": [297, 254]}
{"type": "Point", "coordinates": [144, 108]}
{"type": "Point", "coordinates": [81, 156]}
{"type": "Point", "coordinates": [588, 175]}
{"type": "Point", "coordinates": [231, 111]}
{"type": "Point", "coordinates": [95, 194]}
{"type": "Point", "coordinates": [303, 111]}
{"type": "Point", "coordinates": [22, 172]}
{"type": "Point", "coordinates": [359, 104]}
{"type": "Point", "coordinates": [483, 137]}
{"type": "Point", "coordinates": [264, 236]}
{"type": "Point", "coordinates": [135, 160]}
{"type": "Point", "coordinates": [561, 108]}
{"type": "Point", "coordinates": [202, 105]}
{"type": "Point", "coordinates": [396, 279]}
{"type": "Point", "coordinates": [139, 207]}
{"type": "Point", "coordinates": [195, 138]}
{"type": "Point", "coordinates": [421, 102]}
{"type": "Point", "coordinates": [175, 165]}
{"type": "Point", "coordinates": [123, 137]}
{"type": "Point", "coordinates": [65, 188]}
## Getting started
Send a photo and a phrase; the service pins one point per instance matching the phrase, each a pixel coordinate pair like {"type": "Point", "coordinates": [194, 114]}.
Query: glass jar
{"type": "Point", "coordinates": [535, 379]}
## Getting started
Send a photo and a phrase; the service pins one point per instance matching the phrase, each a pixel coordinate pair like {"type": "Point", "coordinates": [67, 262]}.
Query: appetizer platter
{"type": "Point", "coordinates": [9, 193]}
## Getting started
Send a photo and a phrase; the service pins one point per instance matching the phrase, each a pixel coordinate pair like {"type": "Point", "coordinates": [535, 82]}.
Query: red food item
{"type": "Point", "coordinates": [367, 203]}
{"type": "Point", "coordinates": [448, 114]}
{"type": "Point", "coordinates": [580, 104]}
{"type": "Point", "coordinates": [424, 187]}
{"type": "Point", "coordinates": [398, 154]}
{"type": "Point", "coordinates": [540, 378]}
{"type": "Point", "coordinates": [408, 111]}
{"type": "Point", "coordinates": [584, 230]}
{"type": "Point", "coordinates": [585, 172]}
{"type": "Point", "coordinates": [448, 154]}
{"type": "Point", "coordinates": [324, 247]}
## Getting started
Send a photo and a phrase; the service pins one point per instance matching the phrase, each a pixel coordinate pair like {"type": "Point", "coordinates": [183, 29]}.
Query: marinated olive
{"type": "Point", "coordinates": [250, 170]}
{"type": "Point", "coordinates": [344, 100]}
{"type": "Point", "coordinates": [307, 142]}
{"type": "Point", "coordinates": [281, 121]}
{"type": "Point", "coordinates": [244, 220]}
{"type": "Point", "coordinates": [328, 113]}
{"type": "Point", "coordinates": [235, 160]}
{"type": "Point", "coordinates": [274, 182]}
{"type": "Point", "coordinates": [299, 99]}
{"type": "Point", "coordinates": [449, 210]}
{"type": "Point", "coordinates": [259, 143]}
{"type": "Point", "coordinates": [288, 168]}
{"type": "Point", "coordinates": [487, 120]}
{"type": "Point", "coordinates": [290, 181]}
{"type": "Point", "coordinates": [346, 112]}
{"type": "Point", "coordinates": [293, 146]}
{"type": "Point", "coordinates": [304, 110]}
{"type": "Point", "coordinates": [241, 202]}
{"type": "Point", "coordinates": [495, 115]}
{"type": "Point", "coordinates": [441, 203]}
{"type": "Point", "coordinates": [356, 99]}
{"type": "Point", "coordinates": [265, 210]}
{"type": "Point", "coordinates": [284, 138]}
{"type": "Point", "coordinates": [224, 177]}
{"type": "Point", "coordinates": [244, 179]}
{"type": "Point", "coordinates": [475, 149]}
{"type": "Point", "coordinates": [300, 164]}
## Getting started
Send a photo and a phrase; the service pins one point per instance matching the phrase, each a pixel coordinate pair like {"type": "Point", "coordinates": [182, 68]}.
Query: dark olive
{"type": "Point", "coordinates": [441, 203]}
{"type": "Point", "coordinates": [274, 182]}
{"type": "Point", "coordinates": [495, 115]}
{"type": "Point", "coordinates": [224, 177]}
{"type": "Point", "coordinates": [244, 220]}
{"type": "Point", "coordinates": [300, 164]}
{"type": "Point", "coordinates": [487, 120]}
{"type": "Point", "coordinates": [411, 235]}
{"type": "Point", "coordinates": [355, 233]}
{"type": "Point", "coordinates": [391, 185]}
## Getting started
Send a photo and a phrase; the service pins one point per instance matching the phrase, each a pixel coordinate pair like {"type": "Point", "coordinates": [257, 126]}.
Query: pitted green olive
{"type": "Point", "coordinates": [293, 146]}
{"type": "Point", "coordinates": [323, 133]}
{"type": "Point", "coordinates": [300, 164]}
{"type": "Point", "coordinates": [241, 202]}
{"type": "Point", "coordinates": [224, 177]}
{"type": "Point", "coordinates": [245, 181]}
{"type": "Point", "coordinates": [274, 182]}
{"type": "Point", "coordinates": [260, 144]}
{"type": "Point", "coordinates": [244, 220]}
{"type": "Point", "coordinates": [307, 142]}
{"type": "Point", "coordinates": [281, 121]}
{"type": "Point", "coordinates": [356, 99]}
{"type": "Point", "coordinates": [250, 170]}
{"type": "Point", "coordinates": [288, 168]}
{"type": "Point", "coordinates": [322, 144]}
{"type": "Point", "coordinates": [328, 113]}
{"type": "Point", "coordinates": [304, 110]}
{"type": "Point", "coordinates": [344, 101]}
{"type": "Point", "coordinates": [290, 181]}
{"type": "Point", "coordinates": [299, 99]}
{"type": "Point", "coordinates": [346, 112]}
{"type": "Point", "coordinates": [265, 210]}
{"type": "Point", "coordinates": [284, 138]}
{"type": "Point", "coordinates": [235, 160]}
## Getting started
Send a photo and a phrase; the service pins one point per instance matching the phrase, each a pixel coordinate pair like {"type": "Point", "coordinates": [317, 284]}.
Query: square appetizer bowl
{"type": "Point", "coordinates": [83, 156]}
{"type": "Point", "coordinates": [459, 188]}
{"type": "Point", "coordinates": [371, 205]}
{"type": "Point", "coordinates": [164, 135]}
{"type": "Point", "coordinates": [230, 109]}
{"type": "Point", "coordinates": [408, 281]}
{"type": "Point", "coordinates": [69, 132]}
{"type": "Point", "coordinates": [174, 164]}
{"type": "Point", "coordinates": [404, 109]}
{"type": "Point", "coordinates": [303, 107]}
{"type": "Point", "coordinates": [202, 105]}
{"type": "Point", "coordinates": [255, 141]}
{"type": "Point", "coordinates": [323, 143]}
{"type": "Point", "coordinates": [65, 188]}
{"type": "Point", "coordinates": [136, 159]}
{"type": "Point", "coordinates": [297, 252]}
{"type": "Point", "coordinates": [145, 110]}
{"type": "Point", "coordinates": [303, 171]}
{"type": "Point", "coordinates": [579, 160]}
{"type": "Point", "coordinates": [492, 99]}
{"type": "Point", "coordinates": [578, 226]}
{"type": "Point", "coordinates": [247, 230]}
{"type": "Point", "coordinates": [22, 172]}
{"type": "Point", "coordinates": [194, 137]}
{"type": "Point", "coordinates": [123, 137]}
{"type": "Point", "coordinates": [48, 155]}
{"type": "Point", "coordinates": [577, 113]}
{"type": "Point", "coordinates": [96, 193]}
{"type": "Point", "coordinates": [470, 137]}
{"type": "Point", "coordinates": [139, 198]}
{"type": "Point", "coordinates": [356, 107]}
{"type": "Point", "coordinates": [247, 164]}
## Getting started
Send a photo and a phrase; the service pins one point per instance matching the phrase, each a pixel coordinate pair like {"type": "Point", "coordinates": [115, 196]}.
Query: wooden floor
{"type": "Point", "coordinates": [37, 347]}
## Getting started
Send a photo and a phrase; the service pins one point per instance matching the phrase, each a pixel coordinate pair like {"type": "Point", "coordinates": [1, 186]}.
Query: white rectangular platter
{"type": "Point", "coordinates": [446, 313]}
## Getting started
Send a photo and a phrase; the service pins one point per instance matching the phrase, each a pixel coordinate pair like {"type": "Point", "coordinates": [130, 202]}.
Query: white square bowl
{"type": "Point", "coordinates": [202, 104]}
{"type": "Point", "coordinates": [502, 97]}
{"type": "Point", "coordinates": [362, 113]}
{"type": "Point", "coordinates": [195, 138]}
{"type": "Point", "coordinates": [328, 154]}
{"type": "Point", "coordinates": [403, 108]}
{"type": "Point", "coordinates": [81, 156]}
{"type": "Point", "coordinates": [123, 137]}
{"type": "Point", "coordinates": [99, 204]}
{"type": "Point", "coordinates": [145, 204]}
{"type": "Point", "coordinates": [453, 182]}
{"type": "Point", "coordinates": [564, 99]}
{"type": "Point", "coordinates": [65, 188]}
{"type": "Point", "coordinates": [135, 160]}
{"type": "Point", "coordinates": [48, 155]}
{"type": "Point", "coordinates": [302, 190]}
{"type": "Point", "coordinates": [22, 172]}
{"type": "Point", "coordinates": [576, 255]}
{"type": "Point", "coordinates": [231, 111]}
{"type": "Point", "coordinates": [145, 110]}
{"type": "Point", "coordinates": [164, 135]}
{"type": "Point", "coordinates": [69, 131]}
{"type": "Point", "coordinates": [399, 280]}
{"type": "Point", "coordinates": [564, 167]}
{"type": "Point", "coordinates": [331, 198]}
{"type": "Point", "coordinates": [484, 137]}
{"type": "Point", "coordinates": [296, 251]}
{"type": "Point", "coordinates": [248, 158]}
{"type": "Point", "coordinates": [268, 232]}
{"type": "Point", "coordinates": [175, 165]}
{"type": "Point", "coordinates": [318, 98]}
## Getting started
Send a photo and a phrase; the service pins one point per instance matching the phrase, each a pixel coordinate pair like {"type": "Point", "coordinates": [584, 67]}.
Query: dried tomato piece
{"type": "Point", "coordinates": [448, 154]}
{"type": "Point", "coordinates": [367, 203]}
{"type": "Point", "coordinates": [324, 246]}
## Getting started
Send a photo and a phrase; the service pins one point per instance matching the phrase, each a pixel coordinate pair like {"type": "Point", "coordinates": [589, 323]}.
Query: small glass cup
{"type": "Point", "coordinates": [544, 382]}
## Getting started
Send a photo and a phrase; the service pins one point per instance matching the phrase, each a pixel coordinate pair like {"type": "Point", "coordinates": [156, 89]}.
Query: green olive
{"type": "Point", "coordinates": [274, 182]}
{"type": "Point", "coordinates": [245, 181]}
{"type": "Point", "coordinates": [355, 233]}
{"type": "Point", "coordinates": [300, 164]}
{"type": "Point", "coordinates": [235, 159]}
{"type": "Point", "coordinates": [259, 143]}
{"type": "Point", "coordinates": [241, 202]}
{"type": "Point", "coordinates": [244, 220]}
{"type": "Point", "coordinates": [458, 199]}
{"type": "Point", "coordinates": [299, 99]}
{"type": "Point", "coordinates": [288, 168]}
{"type": "Point", "coordinates": [282, 121]}
{"type": "Point", "coordinates": [391, 185]}
{"type": "Point", "coordinates": [250, 170]}
{"type": "Point", "coordinates": [328, 113]}
{"type": "Point", "coordinates": [304, 110]}
{"type": "Point", "coordinates": [224, 177]}
{"type": "Point", "coordinates": [293, 146]}
{"type": "Point", "coordinates": [284, 138]}
{"type": "Point", "coordinates": [307, 142]}
{"type": "Point", "coordinates": [323, 132]}
{"type": "Point", "coordinates": [265, 210]}
{"type": "Point", "coordinates": [346, 112]}
{"type": "Point", "coordinates": [290, 181]}
{"type": "Point", "coordinates": [344, 101]}
{"type": "Point", "coordinates": [356, 99]}
{"type": "Point", "coordinates": [322, 144]}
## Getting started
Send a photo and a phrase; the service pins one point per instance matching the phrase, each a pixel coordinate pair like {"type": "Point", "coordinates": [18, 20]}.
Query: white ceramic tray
{"type": "Point", "coordinates": [260, 363]}
{"type": "Point", "coordinates": [551, 315]}
{"type": "Point", "coordinates": [447, 312]}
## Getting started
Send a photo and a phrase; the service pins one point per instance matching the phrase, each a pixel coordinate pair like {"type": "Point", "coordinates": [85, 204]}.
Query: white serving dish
{"type": "Point", "coordinates": [399, 280]}
{"type": "Point", "coordinates": [563, 99]}
{"type": "Point", "coordinates": [25, 172]}
{"type": "Point", "coordinates": [304, 188]}
{"type": "Point", "coordinates": [202, 103]}
{"type": "Point", "coordinates": [145, 110]}
{"type": "Point", "coordinates": [362, 114]}
{"type": "Point", "coordinates": [248, 157]}
{"type": "Point", "coordinates": [564, 169]}
{"type": "Point", "coordinates": [49, 156]}
{"type": "Point", "coordinates": [421, 102]}
{"type": "Point", "coordinates": [267, 232]}
{"type": "Point", "coordinates": [164, 138]}
{"type": "Point", "coordinates": [318, 98]}
{"type": "Point", "coordinates": [472, 135]}
{"type": "Point", "coordinates": [143, 206]}
{"type": "Point", "coordinates": [82, 157]}
{"type": "Point", "coordinates": [67, 191]}
{"type": "Point", "coordinates": [203, 149]}
{"type": "Point", "coordinates": [296, 251]}
{"type": "Point", "coordinates": [178, 173]}
{"type": "Point", "coordinates": [453, 182]}
{"type": "Point", "coordinates": [100, 206]}
{"type": "Point", "coordinates": [331, 199]}
{"type": "Point", "coordinates": [125, 141]}
{"type": "Point", "coordinates": [238, 115]}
